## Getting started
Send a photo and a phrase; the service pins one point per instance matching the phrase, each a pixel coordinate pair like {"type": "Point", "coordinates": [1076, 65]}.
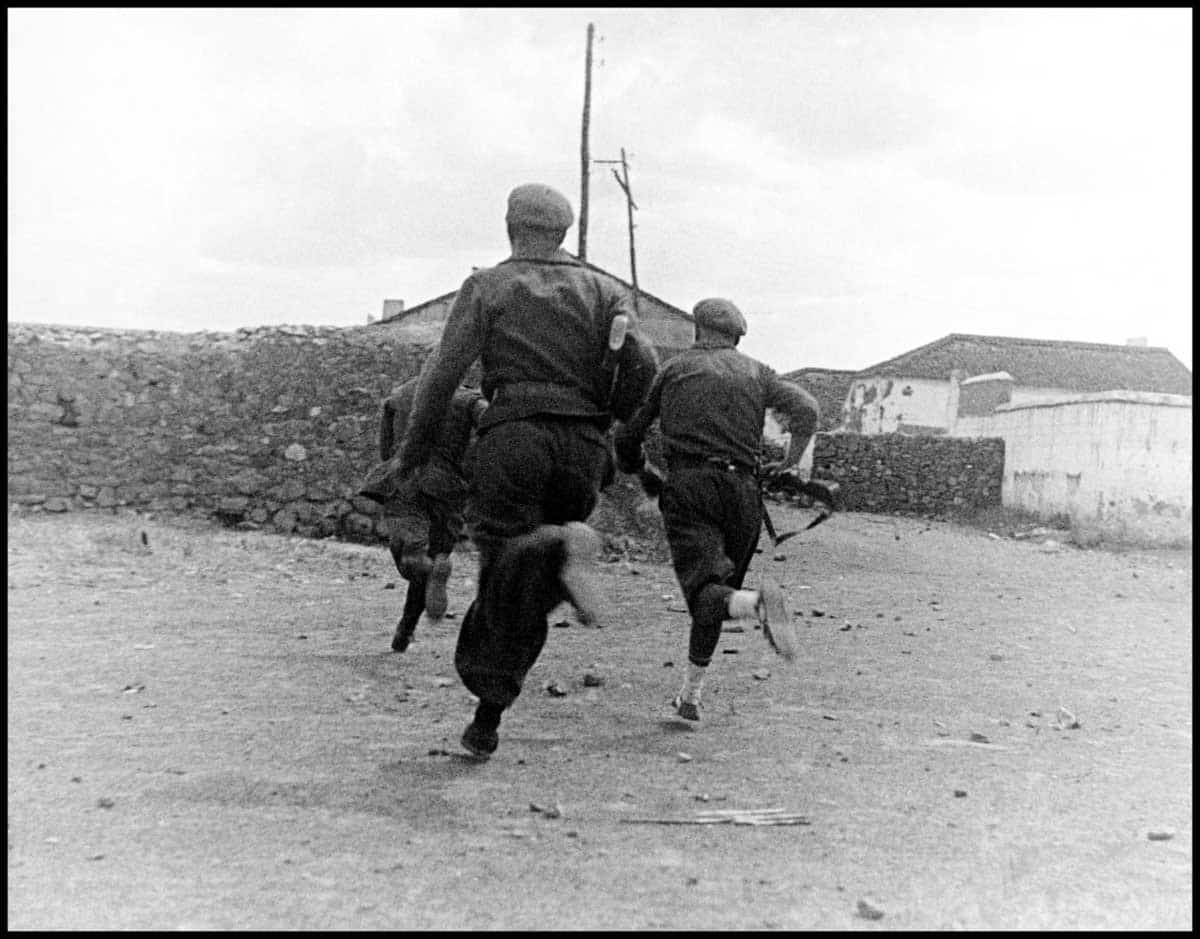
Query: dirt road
{"type": "Point", "coordinates": [207, 730]}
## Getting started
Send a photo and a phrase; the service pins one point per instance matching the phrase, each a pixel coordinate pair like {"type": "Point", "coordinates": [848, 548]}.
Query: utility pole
{"type": "Point", "coordinates": [623, 181]}
{"type": "Point", "coordinates": [584, 155]}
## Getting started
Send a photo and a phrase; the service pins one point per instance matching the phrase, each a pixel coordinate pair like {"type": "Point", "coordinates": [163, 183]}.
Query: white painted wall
{"type": "Point", "coordinates": [967, 425]}
{"type": "Point", "coordinates": [881, 405]}
{"type": "Point", "coordinates": [1027, 395]}
{"type": "Point", "coordinates": [1118, 463]}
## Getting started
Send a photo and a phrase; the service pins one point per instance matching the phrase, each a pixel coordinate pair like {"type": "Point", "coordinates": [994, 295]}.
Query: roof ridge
{"type": "Point", "coordinates": [588, 264]}
{"type": "Point", "coordinates": [1076, 343]}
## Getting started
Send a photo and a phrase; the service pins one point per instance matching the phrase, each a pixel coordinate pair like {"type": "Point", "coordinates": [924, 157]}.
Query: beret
{"type": "Point", "coordinates": [536, 206]}
{"type": "Point", "coordinates": [721, 315]}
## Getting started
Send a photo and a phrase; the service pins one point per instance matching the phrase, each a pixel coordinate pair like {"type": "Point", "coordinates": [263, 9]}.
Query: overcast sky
{"type": "Point", "coordinates": [859, 182]}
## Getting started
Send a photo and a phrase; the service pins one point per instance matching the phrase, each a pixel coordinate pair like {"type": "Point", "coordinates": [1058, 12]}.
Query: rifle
{"type": "Point", "coordinates": [824, 494]}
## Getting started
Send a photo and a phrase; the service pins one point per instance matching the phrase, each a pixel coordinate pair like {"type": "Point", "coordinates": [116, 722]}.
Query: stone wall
{"type": "Point", "coordinates": [273, 427]}
{"type": "Point", "coordinates": [919, 474]}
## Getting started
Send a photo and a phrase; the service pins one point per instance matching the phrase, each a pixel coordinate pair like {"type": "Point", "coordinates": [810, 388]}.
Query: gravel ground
{"type": "Point", "coordinates": [207, 730]}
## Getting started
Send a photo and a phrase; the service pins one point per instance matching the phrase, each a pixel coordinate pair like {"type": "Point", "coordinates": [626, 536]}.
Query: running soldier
{"type": "Point", "coordinates": [711, 401]}
{"type": "Point", "coordinates": [425, 515]}
{"type": "Point", "coordinates": [540, 324]}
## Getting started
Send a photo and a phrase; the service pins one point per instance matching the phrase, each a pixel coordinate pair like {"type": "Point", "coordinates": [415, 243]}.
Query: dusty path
{"type": "Point", "coordinates": [208, 731]}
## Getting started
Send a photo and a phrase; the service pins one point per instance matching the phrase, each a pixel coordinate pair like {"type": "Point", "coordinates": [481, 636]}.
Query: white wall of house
{"type": "Point", "coordinates": [981, 425]}
{"type": "Point", "coordinates": [1117, 462]}
{"type": "Point", "coordinates": [888, 405]}
{"type": "Point", "coordinates": [1029, 395]}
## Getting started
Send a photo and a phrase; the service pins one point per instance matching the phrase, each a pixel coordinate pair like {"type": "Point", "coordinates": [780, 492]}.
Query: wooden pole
{"type": "Point", "coordinates": [584, 155]}
{"type": "Point", "coordinates": [629, 207]}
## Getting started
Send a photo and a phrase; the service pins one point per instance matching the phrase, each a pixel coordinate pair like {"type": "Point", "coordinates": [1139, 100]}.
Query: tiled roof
{"type": "Point", "coordinates": [829, 386]}
{"type": "Point", "coordinates": [1044, 363]}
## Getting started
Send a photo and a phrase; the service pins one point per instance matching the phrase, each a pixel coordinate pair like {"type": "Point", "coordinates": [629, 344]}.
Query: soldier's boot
{"type": "Point", "coordinates": [480, 739]}
{"type": "Point", "coordinates": [687, 702]}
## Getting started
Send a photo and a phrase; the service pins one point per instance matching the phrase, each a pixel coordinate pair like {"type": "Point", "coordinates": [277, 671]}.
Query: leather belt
{"type": "Point", "coordinates": [712, 462]}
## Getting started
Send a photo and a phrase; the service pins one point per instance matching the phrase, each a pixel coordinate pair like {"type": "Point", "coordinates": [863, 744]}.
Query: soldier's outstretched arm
{"type": "Point", "coordinates": [637, 366]}
{"type": "Point", "coordinates": [798, 409]}
{"type": "Point", "coordinates": [629, 437]}
{"type": "Point", "coordinates": [462, 342]}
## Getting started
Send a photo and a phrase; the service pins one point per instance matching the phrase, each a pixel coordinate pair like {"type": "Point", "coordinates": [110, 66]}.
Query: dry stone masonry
{"type": "Point", "coordinates": [275, 427]}
{"type": "Point", "coordinates": [912, 474]}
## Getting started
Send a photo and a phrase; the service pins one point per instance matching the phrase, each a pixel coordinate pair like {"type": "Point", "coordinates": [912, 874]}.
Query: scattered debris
{"type": "Point", "coordinates": [952, 742]}
{"type": "Point", "coordinates": [868, 909]}
{"type": "Point", "coordinates": [774, 816]}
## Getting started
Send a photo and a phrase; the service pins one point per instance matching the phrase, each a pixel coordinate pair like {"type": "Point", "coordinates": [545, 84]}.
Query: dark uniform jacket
{"type": "Point", "coordinates": [540, 329]}
{"type": "Point", "coordinates": [711, 401]}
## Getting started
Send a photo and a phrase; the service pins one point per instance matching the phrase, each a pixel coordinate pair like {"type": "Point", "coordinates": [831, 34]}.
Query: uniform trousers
{"type": "Point", "coordinates": [712, 517]}
{"type": "Point", "coordinates": [524, 474]}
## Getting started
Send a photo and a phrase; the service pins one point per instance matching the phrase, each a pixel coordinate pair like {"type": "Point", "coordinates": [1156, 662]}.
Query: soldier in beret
{"type": "Point", "coordinates": [711, 401]}
{"type": "Point", "coordinates": [539, 324]}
